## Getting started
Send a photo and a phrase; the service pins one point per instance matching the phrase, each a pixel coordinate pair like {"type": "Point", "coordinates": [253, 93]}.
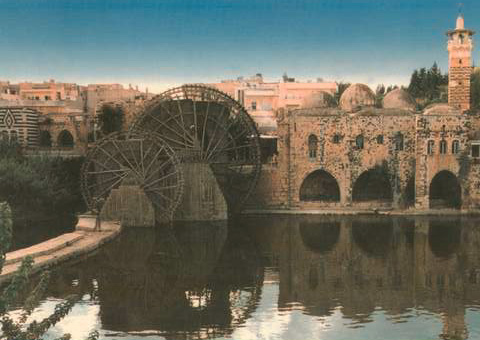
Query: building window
{"type": "Point", "coordinates": [13, 136]}
{"type": "Point", "coordinates": [476, 149]}
{"type": "Point", "coordinates": [443, 147]}
{"type": "Point", "coordinates": [312, 146]}
{"type": "Point", "coordinates": [254, 106]}
{"type": "Point", "coordinates": [359, 141]}
{"type": "Point", "coordinates": [380, 139]}
{"type": "Point", "coordinates": [336, 138]}
{"type": "Point", "coordinates": [455, 147]}
{"type": "Point", "coordinates": [430, 147]}
{"type": "Point", "coordinates": [398, 142]}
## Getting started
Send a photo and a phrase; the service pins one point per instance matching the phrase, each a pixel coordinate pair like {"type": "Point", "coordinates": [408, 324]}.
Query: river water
{"type": "Point", "coordinates": [279, 277]}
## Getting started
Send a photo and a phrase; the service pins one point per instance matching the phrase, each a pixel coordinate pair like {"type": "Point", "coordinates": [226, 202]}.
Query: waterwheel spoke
{"type": "Point", "coordinates": [164, 124]}
{"type": "Point", "coordinates": [160, 179]}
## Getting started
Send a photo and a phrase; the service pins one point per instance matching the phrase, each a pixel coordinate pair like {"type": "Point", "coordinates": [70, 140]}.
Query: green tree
{"type": "Point", "coordinates": [18, 328]}
{"type": "Point", "coordinates": [51, 185]}
{"type": "Point", "coordinates": [475, 90]}
{"type": "Point", "coordinates": [428, 86]}
{"type": "Point", "coordinates": [111, 118]}
{"type": "Point", "coordinates": [341, 87]}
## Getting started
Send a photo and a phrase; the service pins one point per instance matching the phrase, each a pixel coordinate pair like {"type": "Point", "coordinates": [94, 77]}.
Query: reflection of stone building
{"type": "Point", "coordinates": [193, 281]}
{"type": "Point", "coordinates": [362, 156]}
{"type": "Point", "coordinates": [363, 264]}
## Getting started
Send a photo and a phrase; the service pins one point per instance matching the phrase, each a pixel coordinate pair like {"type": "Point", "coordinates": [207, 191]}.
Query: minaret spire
{"type": "Point", "coordinates": [460, 46]}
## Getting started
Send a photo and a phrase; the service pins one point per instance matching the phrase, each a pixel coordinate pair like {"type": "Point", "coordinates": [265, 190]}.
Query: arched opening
{"type": "Point", "coordinates": [320, 186]}
{"type": "Point", "coordinates": [444, 238]}
{"type": "Point", "coordinates": [445, 191]}
{"type": "Point", "coordinates": [65, 139]}
{"type": "Point", "coordinates": [372, 185]}
{"type": "Point", "coordinates": [13, 136]}
{"type": "Point", "coordinates": [455, 147]}
{"type": "Point", "coordinates": [443, 147]}
{"type": "Point", "coordinates": [320, 237]}
{"type": "Point", "coordinates": [430, 147]}
{"type": "Point", "coordinates": [312, 146]}
{"type": "Point", "coordinates": [374, 237]}
{"type": "Point", "coordinates": [359, 141]}
{"type": "Point", "coordinates": [399, 142]}
{"type": "Point", "coordinates": [45, 139]}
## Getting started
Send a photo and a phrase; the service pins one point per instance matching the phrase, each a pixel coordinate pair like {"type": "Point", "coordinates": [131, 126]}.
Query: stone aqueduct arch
{"type": "Point", "coordinates": [445, 190]}
{"type": "Point", "coordinates": [374, 184]}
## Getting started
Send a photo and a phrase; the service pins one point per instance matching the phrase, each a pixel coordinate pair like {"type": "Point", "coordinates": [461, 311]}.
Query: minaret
{"type": "Point", "coordinates": [460, 46]}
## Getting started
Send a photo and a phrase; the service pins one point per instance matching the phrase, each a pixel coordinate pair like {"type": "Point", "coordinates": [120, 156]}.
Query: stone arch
{"type": "Point", "coordinates": [445, 191]}
{"type": "Point", "coordinates": [320, 237]}
{"type": "Point", "coordinates": [372, 185]}
{"type": "Point", "coordinates": [45, 138]}
{"type": "Point", "coordinates": [320, 185]}
{"type": "Point", "coordinates": [65, 139]}
{"type": "Point", "coordinates": [444, 238]}
{"type": "Point", "coordinates": [375, 238]}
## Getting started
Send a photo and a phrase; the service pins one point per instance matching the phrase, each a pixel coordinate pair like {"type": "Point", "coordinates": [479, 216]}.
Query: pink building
{"type": "Point", "coordinates": [263, 99]}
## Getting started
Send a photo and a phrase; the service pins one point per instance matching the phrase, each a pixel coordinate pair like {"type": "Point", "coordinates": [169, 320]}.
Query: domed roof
{"type": "Point", "coordinates": [399, 99]}
{"type": "Point", "coordinates": [318, 99]}
{"type": "Point", "coordinates": [357, 96]}
{"type": "Point", "coordinates": [441, 109]}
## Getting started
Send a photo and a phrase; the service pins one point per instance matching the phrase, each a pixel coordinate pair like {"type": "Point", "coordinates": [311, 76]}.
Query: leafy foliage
{"type": "Point", "coordinates": [19, 329]}
{"type": "Point", "coordinates": [111, 119]}
{"type": "Point", "coordinates": [341, 87]}
{"type": "Point", "coordinates": [475, 90]}
{"type": "Point", "coordinates": [428, 86]}
{"type": "Point", "coordinates": [51, 185]}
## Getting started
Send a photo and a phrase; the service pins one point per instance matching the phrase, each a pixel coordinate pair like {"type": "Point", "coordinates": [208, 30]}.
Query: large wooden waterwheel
{"type": "Point", "coordinates": [202, 124]}
{"type": "Point", "coordinates": [133, 158]}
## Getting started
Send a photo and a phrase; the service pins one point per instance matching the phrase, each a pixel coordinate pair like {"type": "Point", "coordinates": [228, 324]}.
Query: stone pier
{"type": "Point", "coordinates": [82, 242]}
{"type": "Point", "coordinates": [202, 199]}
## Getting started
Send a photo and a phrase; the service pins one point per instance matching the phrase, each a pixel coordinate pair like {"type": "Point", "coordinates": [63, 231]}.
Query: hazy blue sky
{"type": "Point", "coordinates": [163, 43]}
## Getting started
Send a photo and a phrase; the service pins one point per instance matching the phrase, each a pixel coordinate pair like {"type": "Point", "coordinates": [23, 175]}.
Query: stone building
{"type": "Point", "coordinates": [19, 124]}
{"type": "Point", "coordinates": [262, 99]}
{"type": "Point", "coordinates": [460, 46]}
{"type": "Point", "coordinates": [360, 156]}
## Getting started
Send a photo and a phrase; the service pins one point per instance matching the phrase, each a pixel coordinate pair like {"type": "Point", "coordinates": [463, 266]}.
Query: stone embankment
{"type": "Point", "coordinates": [344, 211]}
{"type": "Point", "coordinates": [83, 241]}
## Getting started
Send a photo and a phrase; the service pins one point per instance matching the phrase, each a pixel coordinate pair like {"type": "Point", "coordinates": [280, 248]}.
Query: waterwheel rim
{"type": "Point", "coordinates": [202, 124]}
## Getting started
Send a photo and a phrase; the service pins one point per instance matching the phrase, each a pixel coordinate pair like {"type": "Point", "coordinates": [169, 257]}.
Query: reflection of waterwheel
{"type": "Point", "coordinates": [205, 125]}
{"type": "Point", "coordinates": [135, 158]}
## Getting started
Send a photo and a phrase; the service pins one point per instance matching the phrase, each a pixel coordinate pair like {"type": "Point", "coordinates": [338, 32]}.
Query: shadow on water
{"type": "Point", "coordinates": [29, 232]}
{"type": "Point", "coordinates": [193, 280]}
{"type": "Point", "coordinates": [206, 280]}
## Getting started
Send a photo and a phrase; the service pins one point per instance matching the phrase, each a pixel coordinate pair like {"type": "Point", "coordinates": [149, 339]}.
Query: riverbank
{"type": "Point", "coordinates": [82, 241]}
{"type": "Point", "coordinates": [344, 211]}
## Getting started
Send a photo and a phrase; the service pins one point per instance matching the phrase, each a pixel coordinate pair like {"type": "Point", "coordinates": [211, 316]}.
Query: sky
{"type": "Point", "coordinates": [164, 43]}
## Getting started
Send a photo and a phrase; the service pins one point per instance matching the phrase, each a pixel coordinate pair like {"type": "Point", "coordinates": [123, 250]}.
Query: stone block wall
{"type": "Point", "coordinates": [410, 169]}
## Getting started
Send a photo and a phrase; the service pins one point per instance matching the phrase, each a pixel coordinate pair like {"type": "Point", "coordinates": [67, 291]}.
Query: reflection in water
{"type": "Point", "coordinates": [176, 281]}
{"type": "Point", "coordinates": [28, 232]}
{"type": "Point", "coordinates": [444, 238]}
{"type": "Point", "coordinates": [373, 237]}
{"type": "Point", "coordinates": [320, 237]}
{"type": "Point", "coordinates": [287, 277]}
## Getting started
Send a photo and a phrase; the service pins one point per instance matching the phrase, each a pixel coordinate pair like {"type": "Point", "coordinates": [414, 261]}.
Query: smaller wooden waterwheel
{"type": "Point", "coordinates": [133, 158]}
